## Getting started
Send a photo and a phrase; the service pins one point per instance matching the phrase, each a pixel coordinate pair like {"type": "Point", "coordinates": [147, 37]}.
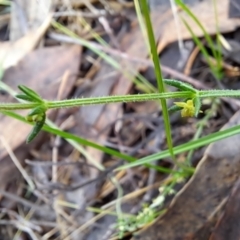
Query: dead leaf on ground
{"type": "Point", "coordinates": [12, 52]}
{"type": "Point", "coordinates": [42, 71]}
{"type": "Point", "coordinates": [27, 16]}
{"type": "Point", "coordinates": [205, 14]}
{"type": "Point", "coordinates": [203, 196]}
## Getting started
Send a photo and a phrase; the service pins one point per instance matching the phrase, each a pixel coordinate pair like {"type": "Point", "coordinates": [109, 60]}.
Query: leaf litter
{"type": "Point", "coordinates": [49, 189]}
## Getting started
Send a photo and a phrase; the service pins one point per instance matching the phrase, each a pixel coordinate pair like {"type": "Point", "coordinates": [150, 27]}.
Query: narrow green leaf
{"type": "Point", "coordinates": [174, 108]}
{"type": "Point", "coordinates": [197, 104]}
{"type": "Point", "coordinates": [36, 129]}
{"type": "Point", "coordinates": [25, 97]}
{"type": "Point", "coordinates": [200, 45]}
{"type": "Point", "coordinates": [213, 137]}
{"type": "Point", "coordinates": [206, 35]}
{"type": "Point", "coordinates": [30, 93]}
{"type": "Point", "coordinates": [158, 73]}
{"type": "Point", "coordinates": [215, 69]}
{"type": "Point", "coordinates": [37, 111]}
{"type": "Point", "coordinates": [180, 85]}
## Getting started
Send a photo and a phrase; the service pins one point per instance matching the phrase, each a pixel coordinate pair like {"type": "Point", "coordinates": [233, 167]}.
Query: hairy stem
{"type": "Point", "coordinates": [219, 93]}
{"type": "Point", "coordinates": [119, 98]}
{"type": "Point", "coordinates": [96, 100]}
{"type": "Point", "coordinates": [116, 99]}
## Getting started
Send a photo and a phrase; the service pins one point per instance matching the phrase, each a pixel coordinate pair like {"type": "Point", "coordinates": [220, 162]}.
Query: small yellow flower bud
{"type": "Point", "coordinates": [188, 108]}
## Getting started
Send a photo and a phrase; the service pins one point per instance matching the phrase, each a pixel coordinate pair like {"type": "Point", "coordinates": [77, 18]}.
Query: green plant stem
{"type": "Point", "coordinates": [17, 106]}
{"type": "Point", "coordinates": [119, 98]}
{"type": "Point", "coordinates": [116, 99]}
{"type": "Point", "coordinates": [158, 73]}
{"type": "Point", "coordinates": [95, 100]}
{"type": "Point", "coordinates": [219, 93]}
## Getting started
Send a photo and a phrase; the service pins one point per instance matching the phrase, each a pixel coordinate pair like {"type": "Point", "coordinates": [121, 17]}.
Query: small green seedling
{"type": "Point", "coordinates": [37, 115]}
{"type": "Point", "coordinates": [189, 106]}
